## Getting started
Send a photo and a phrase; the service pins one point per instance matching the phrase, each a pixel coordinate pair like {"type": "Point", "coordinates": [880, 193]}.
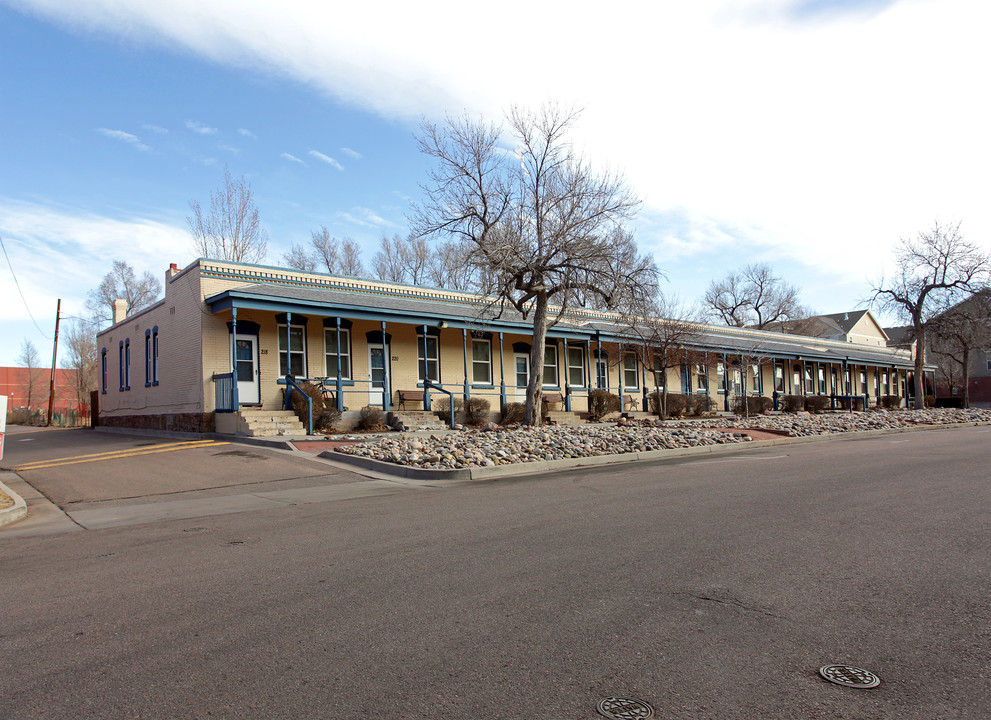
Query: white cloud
{"type": "Point", "coordinates": [199, 128]}
{"type": "Point", "coordinates": [63, 253]}
{"type": "Point", "coordinates": [327, 159]}
{"type": "Point", "coordinates": [246, 133]}
{"type": "Point", "coordinates": [351, 153]}
{"type": "Point", "coordinates": [291, 158]}
{"type": "Point", "coordinates": [231, 149]}
{"type": "Point", "coordinates": [157, 129]}
{"type": "Point", "coordinates": [365, 217]}
{"type": "Point", "coordinates": [749, 126]}
{"type": "Point", "coordinates": [125, 137]}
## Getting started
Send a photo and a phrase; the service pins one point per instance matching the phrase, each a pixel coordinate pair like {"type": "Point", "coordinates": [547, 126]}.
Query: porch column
{"type": "Point", "coordinates": [426, 388]}
{"type": "Point", "coordinates": [805, 387]}
{"type": "Point", "coordinates": [234, 398]}
{"type": "Point", "coordinates": [340, 397]}
{"type": "Point", "coordinates": [386, 384]}
{"type": "Point", "coordinates": [589, 375]}
{"type": "Point", "coordinates": [567, 379]}
{"type": "Point", "coordinates": [643, 374]}
{"type": "Point", "coordinates": [502, 375]}
{"type": "Point", "coordinates": [464, 342]}
{"type": "Point", "coordinates": [288, 343]}
{"type": "Point", "coordinates": [725, 384]}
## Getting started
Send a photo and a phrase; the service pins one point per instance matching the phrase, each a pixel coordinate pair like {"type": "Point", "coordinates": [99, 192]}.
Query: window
{"type": "Point", "coordinates": [660, 373]}
{"type": "Point", "coordinates": [822, 381]}
{"type": "Point", "coordinates": [807, 374]}
{"type": "Point", "coordinates": [702, 375]}
{"type": "Point", "coordinates": [481, 362]}
{"type": "Point", "coordinates": [124, 361]}
{"type": "Point", "coordinates": [550, 366]}
{"type": "Point", "coordinates": [736, 377]}
{"type": "Point", "coordinates": [757, 382]}
{"type": "Point", "coordinates": [779, 379]}
{"type": "Point", "coordinates": [863, 381]}
{"type": "Point", "coordinates": [721, 377]}
{"type": "Point", "coordinates": [432, 359]}
{"type": "Point", "coordinates": [576, 366]}
{"type": "Point", "coordinates": [296, 350]}
{"type": "Point", "coordinates": [103, 371]}
{"type": "Point", "coordinates": [154, 355]}
{"type": "Point", "coordinates": [630, 379]}
{"type": "Point", "coordinates": [147, 358]}
{"type": "Point", "coordinates": [330, 353]}
{"type": "Point", "coordinates": [601, 373]}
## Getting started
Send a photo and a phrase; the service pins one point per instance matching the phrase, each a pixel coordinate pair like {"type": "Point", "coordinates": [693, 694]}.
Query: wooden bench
{"type": "Point", "coordinates": [629, 403]}
{"type": "Point", "coordinates": [409, 395]}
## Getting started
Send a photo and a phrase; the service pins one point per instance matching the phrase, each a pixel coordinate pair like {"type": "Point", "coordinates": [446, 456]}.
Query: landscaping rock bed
{"type": "Point", "coordinates": [490, 448]}
{"type": "Point", "coordinates": [475, 448]}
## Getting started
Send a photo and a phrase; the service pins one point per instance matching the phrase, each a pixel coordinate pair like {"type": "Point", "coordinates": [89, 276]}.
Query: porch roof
{"type": "Point", "coordinates": [474, 314]}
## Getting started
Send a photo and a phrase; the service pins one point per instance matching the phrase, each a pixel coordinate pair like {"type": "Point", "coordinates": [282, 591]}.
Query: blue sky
{"type": "Point", "coordinates": [811, 135]}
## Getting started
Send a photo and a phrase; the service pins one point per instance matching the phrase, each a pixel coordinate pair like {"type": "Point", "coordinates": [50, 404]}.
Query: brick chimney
{"type": "Point", "coordinates": [171, 272]}
{"type": "Point", "coordinates": [120, 310]}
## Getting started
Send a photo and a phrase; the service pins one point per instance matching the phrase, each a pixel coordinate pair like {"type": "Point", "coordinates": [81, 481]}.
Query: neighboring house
{"type": "Point", "coordinates": [947, 355]}
{"type": "Point", "coordinates": [856, 326]}
{"type": "Point", "coordinates": [172, 365]}
{"type": "Point", "coordinates": [14, 382]}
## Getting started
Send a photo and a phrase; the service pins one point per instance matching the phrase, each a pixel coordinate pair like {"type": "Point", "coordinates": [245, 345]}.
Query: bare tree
{"type": "Point", "coordinates": [350, 259]}
{"type": "Point", "coordinates": [753, 297]}
{"type": "Point", "coordinates": [388, 263]}
{"type": "Point", "coordinates": [80, 344]}
{"type": "Point", "coordinates": [451, 267]}
{"type": "Point", "coordinates": [231, 231]}
{"type": "Point", "coordinates": [544, 223]}
{"type": "Point", "coordinates": [662, 330]}
{"type": "Point", "coordinates": [29, 359]}
{"type": "Point", "coordinates": [938, 266]}
{"type": "Point", "coordinates": [299, 258]}
{"type": "Point", "coordinates": [327, 248]}
{"type": "Point", "coordinates": [957, 333]}
{"type": "Point", "coordinates": [124, 284]}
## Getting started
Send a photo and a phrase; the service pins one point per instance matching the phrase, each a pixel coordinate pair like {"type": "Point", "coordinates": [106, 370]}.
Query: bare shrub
{"type": "Point", "coordinates": [442, 406]}
{"type": "Point", "coordinates": [327, 418]}
{"type": "Point", "coordinates": [370, 419]}
{"type": "Point", "coordinates": [513, 414]}
{"type": "Point", "coordinates": [299, 405]}
{"type": "Point", "coordinates": [476, 411]}
{"type": "Point", "coordinates": [891, 402]}
{"type": "Point", "coordinates": [601, 403]}
{"type": "Point", "coordinates": [817, 403]}
{"type": "Point", "coordinates": [791, 403]}
{"type": "Point", "coordinates": [752, 405]}
{"type": "Point", "coordinates": [699, 405]}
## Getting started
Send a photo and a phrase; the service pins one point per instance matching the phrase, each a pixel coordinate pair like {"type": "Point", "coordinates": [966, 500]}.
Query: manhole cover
{"type": "Point", "coordinates": [849, 676]}
{"type": "Point", "coordinates": [625, 709]}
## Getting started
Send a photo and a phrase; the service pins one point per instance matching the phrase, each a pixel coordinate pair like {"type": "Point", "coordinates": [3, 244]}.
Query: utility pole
{"type": "Point", "coordinates": [51, 390]}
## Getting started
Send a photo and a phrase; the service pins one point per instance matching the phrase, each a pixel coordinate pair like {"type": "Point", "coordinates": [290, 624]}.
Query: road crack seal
{"type": "Point", "coordinates": [734, 603]}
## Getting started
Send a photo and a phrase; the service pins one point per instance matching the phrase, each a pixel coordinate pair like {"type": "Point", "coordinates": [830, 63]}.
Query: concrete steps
{"type": "Point", "coordinates": [417, 419]}
{"type": "Point", "coordinates": [564, 418]}
{"type": "Point", "coordinates": [270, 423]}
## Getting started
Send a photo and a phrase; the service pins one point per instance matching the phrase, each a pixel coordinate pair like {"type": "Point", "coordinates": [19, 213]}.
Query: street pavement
{"type": "Point", "coordinates": [709, 587]}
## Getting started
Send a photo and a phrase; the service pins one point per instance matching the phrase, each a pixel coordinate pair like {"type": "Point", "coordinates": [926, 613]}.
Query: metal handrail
{"type": "Point", "coordinates": [290, 386]}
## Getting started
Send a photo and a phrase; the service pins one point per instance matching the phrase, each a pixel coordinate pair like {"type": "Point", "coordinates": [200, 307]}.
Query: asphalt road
{"type": "Point", "coordinates": [711, 587]}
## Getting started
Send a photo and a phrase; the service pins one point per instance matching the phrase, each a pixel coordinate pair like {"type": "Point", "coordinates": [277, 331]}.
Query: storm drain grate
{"type": "Point", "coordinates": [625, 709]}
{"type": "Point", "coordinates": [850, 676]}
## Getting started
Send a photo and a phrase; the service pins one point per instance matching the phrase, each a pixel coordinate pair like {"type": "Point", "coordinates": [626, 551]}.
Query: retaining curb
{"type": "Point", "coordinates": [15, 512]}
{"type": "Point", "coordinates": [514, 469]}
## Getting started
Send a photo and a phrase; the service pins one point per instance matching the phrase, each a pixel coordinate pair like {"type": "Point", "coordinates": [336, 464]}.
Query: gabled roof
{"type": "Point", "coordinates": [846, 320]}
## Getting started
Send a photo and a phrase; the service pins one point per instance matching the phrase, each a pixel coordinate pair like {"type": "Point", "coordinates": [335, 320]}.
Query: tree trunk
{"type": "Point", "coordinates": [966, 377]}
{"type": "Point", "coordinates": [920, 352]}
{"type": "Point", "coordinates": [534, 416]}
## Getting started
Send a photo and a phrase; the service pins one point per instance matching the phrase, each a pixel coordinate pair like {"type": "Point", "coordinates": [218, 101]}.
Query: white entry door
{"type": "Point", "coordinates": [376, 373]}
{"type": "Point", "coordinates": [521, 365]}
{"type": "Point", "coordinates": [246, 369]}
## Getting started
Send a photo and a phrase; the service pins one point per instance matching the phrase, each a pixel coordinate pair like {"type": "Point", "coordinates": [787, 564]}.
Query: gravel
{"type": "Point", "coordinates": [496, 446]}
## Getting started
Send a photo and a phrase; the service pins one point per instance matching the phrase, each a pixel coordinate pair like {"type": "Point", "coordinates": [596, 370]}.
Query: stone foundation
{"type": "Point", "coordinates": [183, 422]}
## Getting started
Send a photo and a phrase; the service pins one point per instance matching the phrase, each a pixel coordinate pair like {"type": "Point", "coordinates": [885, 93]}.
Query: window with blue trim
{"type": "Point", "coordinates": [103, 371]}
{"type": "Point", "coordinates": [154, 355]}
{"type": "Point", "coordinates": [147, 358]}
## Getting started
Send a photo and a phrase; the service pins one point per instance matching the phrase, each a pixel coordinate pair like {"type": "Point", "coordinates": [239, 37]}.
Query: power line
{"type": "Point", "coordinates": [14, 275]}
